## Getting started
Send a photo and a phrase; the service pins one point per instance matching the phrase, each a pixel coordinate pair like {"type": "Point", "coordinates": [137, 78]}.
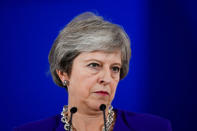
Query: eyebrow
{"type": "Point", "coordinates": [92, 59]}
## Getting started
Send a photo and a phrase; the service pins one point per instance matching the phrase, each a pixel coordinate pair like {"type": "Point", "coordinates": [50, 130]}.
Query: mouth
{"type": "Point", "coordinates": [103, 93]}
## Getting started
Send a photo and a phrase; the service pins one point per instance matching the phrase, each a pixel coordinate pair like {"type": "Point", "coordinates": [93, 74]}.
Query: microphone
{"type": "Point", "coordinates": [102, 108]}
{"type": "Point", "coordinates": [72, 111]}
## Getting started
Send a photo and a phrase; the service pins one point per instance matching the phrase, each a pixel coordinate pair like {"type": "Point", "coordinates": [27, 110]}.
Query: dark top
{"type": "Point", "coordinates": [125, 121]}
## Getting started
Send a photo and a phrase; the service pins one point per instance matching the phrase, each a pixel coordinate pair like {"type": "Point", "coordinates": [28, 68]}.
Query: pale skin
{"type": "Point", "coordinates": [92, 74]}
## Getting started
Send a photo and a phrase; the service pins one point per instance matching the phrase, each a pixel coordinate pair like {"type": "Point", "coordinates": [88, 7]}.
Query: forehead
{"type": "Point", "coordinates": [103, 56]}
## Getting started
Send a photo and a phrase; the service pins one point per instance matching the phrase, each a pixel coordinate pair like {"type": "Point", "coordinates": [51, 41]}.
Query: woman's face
{"type": "Point", "coordinates": [94, 78]}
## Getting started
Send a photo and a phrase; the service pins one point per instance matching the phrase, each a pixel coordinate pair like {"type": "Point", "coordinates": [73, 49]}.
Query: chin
{"type": "Point", "coordinates": [95, 105]}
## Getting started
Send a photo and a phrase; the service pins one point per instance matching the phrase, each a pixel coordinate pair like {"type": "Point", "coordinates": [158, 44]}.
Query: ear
{"type": "Point", "coordinates": [62, 75]}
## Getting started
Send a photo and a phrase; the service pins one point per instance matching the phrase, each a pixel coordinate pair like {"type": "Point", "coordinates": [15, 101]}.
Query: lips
{"type": "Point", "coordinates": [104, 93]}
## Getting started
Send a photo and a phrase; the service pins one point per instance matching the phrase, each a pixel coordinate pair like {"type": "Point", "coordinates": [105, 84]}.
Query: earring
{"type": "Point", "coordinates": [65, 83]}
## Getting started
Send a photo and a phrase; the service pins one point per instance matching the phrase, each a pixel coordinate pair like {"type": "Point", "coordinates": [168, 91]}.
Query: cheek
{"type": "Point", "coordinates": [81, 84]}
{"type": "Point", "coordinates": [113, 89]}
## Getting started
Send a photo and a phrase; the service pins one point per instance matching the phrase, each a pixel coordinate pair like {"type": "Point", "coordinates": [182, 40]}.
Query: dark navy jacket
{"type": "Point", "coordinates": [125, 121]}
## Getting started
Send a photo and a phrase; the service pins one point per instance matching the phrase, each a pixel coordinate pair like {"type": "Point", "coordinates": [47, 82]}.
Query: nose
{"type": "Point", "coordinates": [105, 77]}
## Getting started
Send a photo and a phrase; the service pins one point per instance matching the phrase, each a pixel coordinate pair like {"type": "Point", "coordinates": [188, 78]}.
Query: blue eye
{"type": "Point", "coordinates": [116, 69]}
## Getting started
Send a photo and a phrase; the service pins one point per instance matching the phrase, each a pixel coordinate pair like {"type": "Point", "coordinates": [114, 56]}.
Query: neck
{"type": "Point", "coordinates": [86, 119]}
{"type": "Point", "coordinates": [87, 122]}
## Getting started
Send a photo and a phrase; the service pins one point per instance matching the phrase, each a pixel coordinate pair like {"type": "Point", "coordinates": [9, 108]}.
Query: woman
{"type": "Point", "coordinates": [88, 58]}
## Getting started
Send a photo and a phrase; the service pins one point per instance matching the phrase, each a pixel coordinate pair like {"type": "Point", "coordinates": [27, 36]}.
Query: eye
{"type": "Point", "coordinates": [93, 65]}
{"type": "Point", "coordinates": [116, 69]}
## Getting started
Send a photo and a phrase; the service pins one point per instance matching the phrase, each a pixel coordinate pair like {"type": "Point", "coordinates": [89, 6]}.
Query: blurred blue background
{"type": "Point", "coordinates": [163, 69]}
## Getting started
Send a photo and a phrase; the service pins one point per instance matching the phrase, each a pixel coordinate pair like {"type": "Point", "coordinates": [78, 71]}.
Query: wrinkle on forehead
{"type": "Point", "coordinates": [114, 56]}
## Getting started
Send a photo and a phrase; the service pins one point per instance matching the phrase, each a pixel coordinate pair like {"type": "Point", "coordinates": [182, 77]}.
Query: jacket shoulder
{"type": "Point", "coordinates": [143, 122]}
{"type": "Point", "coordinates": [47, 124]}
